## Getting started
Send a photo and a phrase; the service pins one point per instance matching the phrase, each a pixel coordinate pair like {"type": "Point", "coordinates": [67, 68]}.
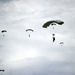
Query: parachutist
{"type": "Point", "coordinates": [29, 35]}
{"type": "Point", "coordinates": [53, 39]}
{"type": "Point", "coordinates": [29, 30]}
{"type": "Point", "coordinates": [3, 31]}
{"type": "Point", "coordinates": [61, 43]}
{"type": "Point", "coordinates": [52, 23]}
{"type": "Point", "coordinates": [53, 35]}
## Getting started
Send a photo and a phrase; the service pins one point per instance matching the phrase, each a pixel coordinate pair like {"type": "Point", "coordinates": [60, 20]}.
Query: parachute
{"type": "Point", "coordinates": [52, 22]}
{"type": "Point", "coordinates": [29, 30]}
{"type": "Point", "coordinates": [61, 43]}
{"type": "Point", "coordinates": [2, 70]}
{"type": "Point", "coordinates": [3, 31]}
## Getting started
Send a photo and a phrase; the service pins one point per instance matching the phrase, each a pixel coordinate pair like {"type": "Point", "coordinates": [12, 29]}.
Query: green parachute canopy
{"type": "Point", "coordinates": [52, 22]}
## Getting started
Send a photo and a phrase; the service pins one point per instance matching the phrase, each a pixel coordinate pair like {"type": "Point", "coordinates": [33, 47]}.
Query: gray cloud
{"type": "Point", "coordinates": [42, 65]}
{"type": "Point", "coordinates": [37, 55]}
{"type": "Point", "coordinates": [5, 1]}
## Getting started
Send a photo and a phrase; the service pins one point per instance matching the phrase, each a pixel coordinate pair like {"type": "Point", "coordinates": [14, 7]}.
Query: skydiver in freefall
{"type": "Point", "coordinates": [53, 36]}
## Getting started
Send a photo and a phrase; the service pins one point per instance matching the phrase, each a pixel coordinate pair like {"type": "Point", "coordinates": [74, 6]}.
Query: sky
{"type": "Point", "coordinates": [37, 54]}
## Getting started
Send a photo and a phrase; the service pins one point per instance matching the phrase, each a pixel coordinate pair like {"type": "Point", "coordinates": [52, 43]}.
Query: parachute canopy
{"type": "Point", "coordinates": [2, 70]}
{"type": "Point", "coordinates": [29, 30]}
{"type": "Point", "coordinates": [3, 31]}
{"type": "Point", "coordinates": [61, 42]}
{"type": "Point", "coordinates": [53, 22]}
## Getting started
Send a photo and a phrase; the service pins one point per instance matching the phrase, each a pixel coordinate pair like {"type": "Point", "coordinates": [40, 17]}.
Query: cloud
{"type": "Point", "coordinates": [20, 54]}
{"type": "Point", "coordinates": [42, 65]}
{"type": "Point", "coordinates": [5, 1]}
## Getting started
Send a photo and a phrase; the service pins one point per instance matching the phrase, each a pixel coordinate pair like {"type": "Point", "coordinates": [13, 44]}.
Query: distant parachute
{"type": "Point", "coordinates": [53, 22]}
{"type": "Point", "coordinates": [61, 43]}
{"type": "Point", "coordinates": [3, 31]}
{"type": "Point", "coordinates": [2, 70]}
{"type": "Point", "coordinates": [29, 30]}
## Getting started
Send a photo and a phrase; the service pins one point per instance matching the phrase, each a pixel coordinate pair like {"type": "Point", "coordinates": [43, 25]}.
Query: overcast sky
{"type": "Point", "coordinates": [37, 54]}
